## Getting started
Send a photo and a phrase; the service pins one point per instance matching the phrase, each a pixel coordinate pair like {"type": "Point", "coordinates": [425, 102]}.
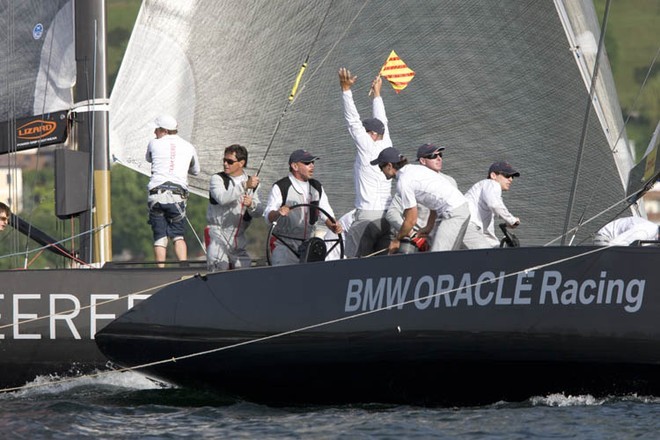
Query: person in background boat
{"type": "Point", "coordinates": [430, 156]}
{"type": "Point", "coordinates": [297, 188]}
{"type": "Point", "coordinates": [485, 201]}
{"type": "Point", "coordinates": [419, 185]}
{"type": "Point", "coordinates": [626, 230]}
{"type": "Point", "coordinates": [5, 215]}
{"type": "Point", "coordinates": [172, 159]}
{"type": "Point", "coordinates": [373, 193]}
{"type": "Point", "coordinates": [233, 202]}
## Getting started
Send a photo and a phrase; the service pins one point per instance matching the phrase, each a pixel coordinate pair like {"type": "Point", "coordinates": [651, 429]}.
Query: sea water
{"type": "Point", "coordinates": [128, 405]}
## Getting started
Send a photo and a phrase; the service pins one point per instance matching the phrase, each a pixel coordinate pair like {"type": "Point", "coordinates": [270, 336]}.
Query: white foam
{"type": "Point", "coordinates": [53, 384]}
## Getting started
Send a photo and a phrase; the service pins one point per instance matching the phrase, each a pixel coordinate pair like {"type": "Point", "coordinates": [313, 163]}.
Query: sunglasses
{"type": "Point", "coordinates": [434, 156]}
{"type": "Point", "coordinates": [229, 161]}
{"type": "Point", "coordinates": [308, 163]}
{"type": "Point", "coordinates": [4, 219]}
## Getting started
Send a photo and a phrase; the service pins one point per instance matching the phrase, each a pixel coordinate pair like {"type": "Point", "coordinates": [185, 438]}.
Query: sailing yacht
{"type": "Point", "coordinates": [512, 80]}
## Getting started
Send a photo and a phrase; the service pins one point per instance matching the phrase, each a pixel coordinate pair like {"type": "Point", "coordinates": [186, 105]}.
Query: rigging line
{"type": "Point", "coordinates": [341, 37]}
{"type": "Point", "coordinates": [611, 218]}
{"type": "Point", "coordinates": [592, 90]}
{"type": "Point", "coordinates": [639, 94]}
{"type": "Point", "coordinates": [575, 228]}
{"type": "Point", "coordinates": [621, 132]}
{"type": "Point", "coordinates": [194, 232]}
{"type": "Point", "coordinates": [345, 318]}
{"type": "Point", "coordinates": [108, 301]}
{"type": "Point", "coordinates": [51, 33]}
{"type": "Point", "coordinates": [289, 101]}
{"type": "Point", "coordinates": [91, 126]}
{"type": "Point", "coordinates": [55, 244]}
{"type": "Point", "coordinates": [293, 90]}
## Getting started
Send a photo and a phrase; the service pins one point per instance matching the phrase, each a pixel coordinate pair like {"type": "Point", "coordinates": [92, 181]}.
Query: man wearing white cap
{"type": "Point", "coordinates": [172, 159]}
{"type": "Point", "coordinates": [485, 200]}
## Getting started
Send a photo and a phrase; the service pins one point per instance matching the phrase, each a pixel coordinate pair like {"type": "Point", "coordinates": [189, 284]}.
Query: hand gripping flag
{"type": "Point", "coordinates": [396, 72]}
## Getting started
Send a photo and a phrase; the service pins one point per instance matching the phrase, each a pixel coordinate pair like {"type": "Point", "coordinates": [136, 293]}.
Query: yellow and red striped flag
{"type": "Point", "coordinates": [397, 72]}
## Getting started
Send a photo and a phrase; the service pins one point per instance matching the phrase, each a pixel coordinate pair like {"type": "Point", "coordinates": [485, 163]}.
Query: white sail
{"type": "Point", "coordinates": [494, 81]}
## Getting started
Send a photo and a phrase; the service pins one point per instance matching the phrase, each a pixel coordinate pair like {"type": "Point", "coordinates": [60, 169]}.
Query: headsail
{"type": "Point", "coordinates": [494, 81]}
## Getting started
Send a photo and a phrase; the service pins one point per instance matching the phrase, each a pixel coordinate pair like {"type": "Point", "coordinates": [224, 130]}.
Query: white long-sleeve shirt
{"type": "Point", "coordinates": [623, 231]}
{"type": "Point", "coordinates": [485, 201]}
{"type": "Point", "coordinates": [372, 190]}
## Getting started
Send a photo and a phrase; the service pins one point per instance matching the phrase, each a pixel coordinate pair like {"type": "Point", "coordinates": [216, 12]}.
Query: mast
{"type": "Point", "coordinates": [91, 126]}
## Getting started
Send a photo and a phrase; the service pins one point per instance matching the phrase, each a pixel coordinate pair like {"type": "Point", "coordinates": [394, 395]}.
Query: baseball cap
{"type": "Point", "coordinates": [374, 124]}
{"type": "Point", "coordinates": [165, 121]}
{"type": "Point", "coordinates": [302, 156]}
{"type": "Point", "coordinates": [388, 155]}
{"type": "Point", "coordinates": [503, 168]}
{"type": "Point", "coordinates": [427, 150]}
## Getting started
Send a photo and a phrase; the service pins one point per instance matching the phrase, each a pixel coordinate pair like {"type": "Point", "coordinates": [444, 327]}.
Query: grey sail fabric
{"type": "Point", "coordinates": [494, 81]}
{"type": "Point", "coordinates": [37, 72]}
{"type": "Point", "coordinates": [37, 57]}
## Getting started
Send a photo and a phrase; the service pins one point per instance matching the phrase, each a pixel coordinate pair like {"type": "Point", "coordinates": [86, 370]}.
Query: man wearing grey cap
{"type": "Point", "coordinates": [419, 185]}
{"type": "Point", "coordinates": [369, 232]}
{"type": "Point", "coordinates": [300, 224]}
{"type": "Point", "coordinates": [172, 159]}
{"type": "Point", "coordinates": [485, 201]}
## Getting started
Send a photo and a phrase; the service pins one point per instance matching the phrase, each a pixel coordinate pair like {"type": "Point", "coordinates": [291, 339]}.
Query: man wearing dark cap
{"type": "Point", "coordinates": [297, 188]}
{"type": "Point", "coordinates": [419, 185]}
{"type": "Point", "coordinates": [370, 230]}
{"type": "Point", "coordinates": [485, 200]}
{"type": "Point", "coordinates": [172, 159]}
{"type": "Point", "coordinates": [430, 156]}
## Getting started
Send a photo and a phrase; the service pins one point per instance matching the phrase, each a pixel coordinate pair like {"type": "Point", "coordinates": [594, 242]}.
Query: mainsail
{"type": "Point", "coordinates": [505, 80]}
{"type": "Point", "coordinates": [38, 72]}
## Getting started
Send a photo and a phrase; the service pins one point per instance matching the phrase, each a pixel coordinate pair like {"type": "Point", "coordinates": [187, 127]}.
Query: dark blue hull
{"type": "Point", "coordinates": [433, 328]}
{"type": "Point", "coordinates": [48, 318]}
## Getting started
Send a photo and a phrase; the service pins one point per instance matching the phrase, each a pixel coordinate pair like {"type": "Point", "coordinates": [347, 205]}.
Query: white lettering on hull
{"type": "Point", "coordinates": [35, 316]}
{"type": "Point", "coordinates": [548, 288]}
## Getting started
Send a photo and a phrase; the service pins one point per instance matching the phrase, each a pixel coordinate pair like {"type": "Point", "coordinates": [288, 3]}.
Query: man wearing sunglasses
{"type": "Point", "coordinates": [485, 200]}
{"type": "Point", "coordinates": [419, 185]}
{"type": "Point", "coordinates": [233, 203]}
{"type": "Point", "coordinates": [294, 226]}
{"type": "Point", "coordinates": [172, 159]}
{"type": "Point", "coordinates": [369, 232]}
{"type": "Point", "coordinates": [430, 156]}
